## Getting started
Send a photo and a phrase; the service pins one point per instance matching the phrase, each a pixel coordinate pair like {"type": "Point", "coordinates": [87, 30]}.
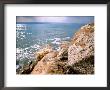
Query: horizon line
{"type": "Point", "coordinates": [48, 22]}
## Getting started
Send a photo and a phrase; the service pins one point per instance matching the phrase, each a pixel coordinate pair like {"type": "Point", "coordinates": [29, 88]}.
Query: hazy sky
{"type": "Point", "coordinates": [60, 19]}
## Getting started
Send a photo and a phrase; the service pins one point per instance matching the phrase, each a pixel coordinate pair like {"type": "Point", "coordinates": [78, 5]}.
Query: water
{"type": "Point", "coordinates": [32, 37]}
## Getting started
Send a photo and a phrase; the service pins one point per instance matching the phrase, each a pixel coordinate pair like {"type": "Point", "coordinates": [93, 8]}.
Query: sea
{"type": "Point", "coordinates": [30, 37]}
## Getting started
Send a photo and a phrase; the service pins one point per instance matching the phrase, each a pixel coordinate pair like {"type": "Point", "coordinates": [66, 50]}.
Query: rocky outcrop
{"type": "Point", "coordinates": [82, 49]}
{"type": "Point", "coordinates": [47, 65]}
{"type": "Point", "coordinates": [74, 57]}
{"type": "Point", "coordinates": [82, 44]}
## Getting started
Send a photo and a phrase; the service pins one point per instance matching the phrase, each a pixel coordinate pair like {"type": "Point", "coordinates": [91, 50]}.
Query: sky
{"type": "Point", "coordinates": [57, 19]}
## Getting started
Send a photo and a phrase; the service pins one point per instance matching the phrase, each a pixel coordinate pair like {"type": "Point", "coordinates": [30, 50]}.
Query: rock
{"type": "Point", "coordinates": [82, 67]}
{"type": "Point", "coordinates": [85, 66]}
{"type": "Point", "coordinates": [63, 52]}
{"type": "Point", "coordinates": [27, 69]}
{"type": "Point", "coordinates": [49, 65]}
{"type": "Point", "coordinates": [45, 63]}
{"type": "Point", "coordinates": [81, 51]}
{"type": "Point", "coordinates": [64, 44]}
{"type": "Point", "coordinates": [82, 44]}
{"type": "Point", "coordinates": [59, 67]}
{"type": "Point", "coordinates": [50, 56]}
{"type": "Point", "coordinates": [40, 54]}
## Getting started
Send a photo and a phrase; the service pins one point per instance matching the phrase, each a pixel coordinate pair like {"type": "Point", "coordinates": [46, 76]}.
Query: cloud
{"type": "Point", "coordinates": [61, 19]}
{"type": "Point", "coordinates": [24, 19]}
{"type": "Point", "coordinates": [51, 19]}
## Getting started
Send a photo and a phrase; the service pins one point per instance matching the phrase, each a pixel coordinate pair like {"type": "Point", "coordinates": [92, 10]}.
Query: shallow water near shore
{"type": "Point", "coordinates": [31, 39]}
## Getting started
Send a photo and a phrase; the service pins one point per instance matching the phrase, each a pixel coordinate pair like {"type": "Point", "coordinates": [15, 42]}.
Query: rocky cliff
{"type": "Point", "coordinates": [81, 51]}
{"type": "Point", "coordinates": [82, 44]}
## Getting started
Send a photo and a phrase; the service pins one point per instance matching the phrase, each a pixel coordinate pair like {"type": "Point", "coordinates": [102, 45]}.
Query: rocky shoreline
{"type": "Point", "coordinates": [74, 57]}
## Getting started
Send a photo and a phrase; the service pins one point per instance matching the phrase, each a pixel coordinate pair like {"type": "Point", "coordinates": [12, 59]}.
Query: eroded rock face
{"type": "Point", "coordinates": [45, 64]}
{"type": "Point", "coordinates": [82, 45]}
